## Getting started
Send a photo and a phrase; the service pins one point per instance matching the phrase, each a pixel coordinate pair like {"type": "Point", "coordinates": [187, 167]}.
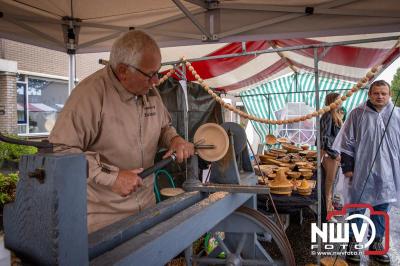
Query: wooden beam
{"type": "Point", "coordinates": [111, 236]}
{"type": "Point", "coordinates": [164, 241]}
{"type": "Point", "coordinates": [46, 225]}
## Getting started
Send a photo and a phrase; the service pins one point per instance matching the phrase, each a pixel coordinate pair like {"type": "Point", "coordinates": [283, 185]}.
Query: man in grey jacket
{"type": "Point", "coordinates": [370, 148]}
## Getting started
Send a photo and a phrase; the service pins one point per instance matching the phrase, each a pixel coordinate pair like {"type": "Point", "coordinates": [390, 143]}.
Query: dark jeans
{"type": "Point", "coordinates": [378, 220]}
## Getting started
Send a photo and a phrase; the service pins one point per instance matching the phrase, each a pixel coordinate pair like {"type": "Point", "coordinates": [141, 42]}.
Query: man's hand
{"type": "Point", "coordinates": [127, 182]}
{"type": "Point", "coordinates": [181, 147]}
{"type": "Point", "coordinates": [348, 174]}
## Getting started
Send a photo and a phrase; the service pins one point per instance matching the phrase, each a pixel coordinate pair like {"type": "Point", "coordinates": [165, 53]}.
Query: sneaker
{"type": "Point", "coordinates": [377, 245]}
{"type": "Point", "coordinates": [354, 258]}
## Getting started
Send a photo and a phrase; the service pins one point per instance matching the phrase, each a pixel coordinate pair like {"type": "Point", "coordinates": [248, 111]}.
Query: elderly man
{"type": "Point", "coordinates": [370, 148]}
{"type": "Point", "coordinates": [118, 120]}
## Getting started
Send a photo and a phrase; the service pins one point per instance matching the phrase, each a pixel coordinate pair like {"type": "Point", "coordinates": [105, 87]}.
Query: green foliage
{"type": "Point", "coordinates": [8, 184]}
{"type": "Point", "coordinates": [13, 152]}
{"type": "Point", "coordinates": [396, 87]}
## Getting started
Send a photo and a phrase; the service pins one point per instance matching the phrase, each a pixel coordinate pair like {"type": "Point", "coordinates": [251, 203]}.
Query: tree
{"type": "Point", "coordinates": [396, 87]}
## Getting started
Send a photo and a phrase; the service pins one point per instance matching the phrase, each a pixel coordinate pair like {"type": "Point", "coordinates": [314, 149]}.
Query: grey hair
{"type": "Point", "coordinates": [129, 48]}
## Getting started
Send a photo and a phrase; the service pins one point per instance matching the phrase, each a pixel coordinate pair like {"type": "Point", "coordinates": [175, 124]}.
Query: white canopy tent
{"type": "Point", "coordinates": [91, 25]}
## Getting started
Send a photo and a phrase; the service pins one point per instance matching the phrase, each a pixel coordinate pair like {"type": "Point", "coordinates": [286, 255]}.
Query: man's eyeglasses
{"type": "Point", "coordinates": [150, 76]}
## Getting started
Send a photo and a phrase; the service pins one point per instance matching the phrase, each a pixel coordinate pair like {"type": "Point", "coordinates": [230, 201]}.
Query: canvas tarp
{"type": "Point", "coordinates": [93, 24]}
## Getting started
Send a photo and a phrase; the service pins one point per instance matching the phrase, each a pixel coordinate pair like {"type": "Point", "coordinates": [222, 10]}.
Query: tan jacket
{"type": "Point", "coordinates": [116, 130]}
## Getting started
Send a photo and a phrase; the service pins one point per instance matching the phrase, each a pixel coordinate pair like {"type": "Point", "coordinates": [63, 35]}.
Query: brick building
{"type": "Point", "coordinates": [34, 85]}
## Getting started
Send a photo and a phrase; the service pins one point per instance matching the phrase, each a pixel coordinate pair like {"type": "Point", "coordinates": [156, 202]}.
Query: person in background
{"type": "Point", "coordinates": [370, 148]}
{"type": "Point", "coordinates": [330, 124]}
{"type": "Point", "coordinates": [117, 118]}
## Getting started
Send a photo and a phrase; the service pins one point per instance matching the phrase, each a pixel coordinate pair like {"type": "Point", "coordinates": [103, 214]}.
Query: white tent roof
{"type": "Point", "coordinates": [95, 23]}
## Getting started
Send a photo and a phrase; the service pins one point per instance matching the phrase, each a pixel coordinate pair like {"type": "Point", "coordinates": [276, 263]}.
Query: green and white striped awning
{"type": "Point", "coordinates": [265, 99]}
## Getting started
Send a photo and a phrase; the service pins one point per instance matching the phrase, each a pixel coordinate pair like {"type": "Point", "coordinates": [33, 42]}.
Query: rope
{"type": "Point", "coordinates": [360, 84]}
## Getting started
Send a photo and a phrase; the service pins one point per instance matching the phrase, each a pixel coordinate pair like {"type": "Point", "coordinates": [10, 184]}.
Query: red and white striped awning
{"type": "Point", "coordinates": [347, 62]}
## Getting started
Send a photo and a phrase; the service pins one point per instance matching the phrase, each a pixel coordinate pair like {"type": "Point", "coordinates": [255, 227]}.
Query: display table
{"type": "Point", "coordinates": [286, 204]}
{"type": "Point", "coordinates": [292, 204]}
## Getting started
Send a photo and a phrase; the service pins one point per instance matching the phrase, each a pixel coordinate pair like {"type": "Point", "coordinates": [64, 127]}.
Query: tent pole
{"type": "Point", "coordinates": [180, 71]}
{"type": "Point", "coordinates": [269, 113]}
{"type": "Point", "coordinates": [279, 93]}
{"type": "Point", "coordinates": [318, 149]}
{"type": "Point", "coordinates": [72, 72]}
{"type": "Point", "coordinates": [196, 23]}
{"type": "Point", "coordinates": [185, 111]}
{"type": "Point", "coordinates": [71, 31]}
{"type": "Point", "coordinates": [186, 104]}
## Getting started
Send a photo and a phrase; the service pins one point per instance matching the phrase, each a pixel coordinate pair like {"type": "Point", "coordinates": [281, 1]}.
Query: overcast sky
{"type": "Point", "coordinates": [389, 72]}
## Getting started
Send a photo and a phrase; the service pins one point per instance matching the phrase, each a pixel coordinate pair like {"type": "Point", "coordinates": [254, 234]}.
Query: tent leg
{"type": "Point", "coordinates": [72, 72]}
{"type": "Point", "coordinates": [318, 148]}
{"type": "Point", "coordinates": [186, 104]}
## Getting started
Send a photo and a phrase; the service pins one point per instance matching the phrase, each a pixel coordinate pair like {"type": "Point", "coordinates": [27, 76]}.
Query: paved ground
{"type": "Point", "coordinates": [300, 238]}
{"type": "Point", "coordinates": [394, 251]}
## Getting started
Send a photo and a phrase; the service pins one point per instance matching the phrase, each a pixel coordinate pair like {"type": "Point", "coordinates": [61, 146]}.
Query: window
{"type": "Point", "coordinates": [301, 132]}
{"type": "Point", "coordinates": [21, 100]}
{"type": "Point", "coordinates": [39, 101]}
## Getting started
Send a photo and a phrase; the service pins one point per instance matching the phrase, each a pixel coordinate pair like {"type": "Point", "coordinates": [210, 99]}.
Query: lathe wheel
{"type": "Point", "coordinates": [241, 229]}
